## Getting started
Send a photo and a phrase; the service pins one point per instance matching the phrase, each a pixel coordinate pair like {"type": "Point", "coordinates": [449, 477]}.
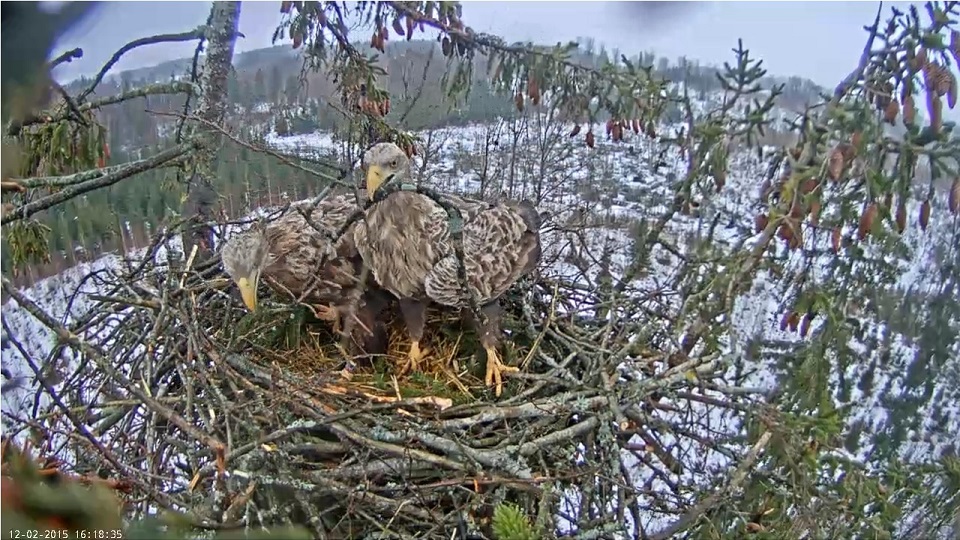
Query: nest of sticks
{"type": "Point", "coordinates": [241, 420]}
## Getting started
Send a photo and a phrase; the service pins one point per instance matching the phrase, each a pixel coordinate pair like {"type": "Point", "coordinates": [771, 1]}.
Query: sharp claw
{"type": "Point", "coordinates": [495, 371]}
{"type": "Point", "coordinates": [414, 356]}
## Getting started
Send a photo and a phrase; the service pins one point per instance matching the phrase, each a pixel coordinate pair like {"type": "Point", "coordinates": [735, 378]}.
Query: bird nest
{"type": "Point", "coordinates": [252, 419]}
{"type": "Point", "coordinates": [234, 419]}
{"type": "Point", "coordinates": [451, 372]}
{"type": "Point", "coordinates": [376, 445]}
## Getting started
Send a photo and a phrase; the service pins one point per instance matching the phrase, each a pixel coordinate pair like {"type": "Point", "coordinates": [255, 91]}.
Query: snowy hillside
{"type": "Point", "coordinates": [614, 188]}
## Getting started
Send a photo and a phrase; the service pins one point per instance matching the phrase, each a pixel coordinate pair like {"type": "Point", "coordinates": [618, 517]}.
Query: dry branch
{"type": "Point", "coordinates": [197, 33]}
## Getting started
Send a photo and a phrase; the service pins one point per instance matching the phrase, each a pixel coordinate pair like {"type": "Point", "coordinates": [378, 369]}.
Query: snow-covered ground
{"type": "Point", "coordinates": [620, 185]}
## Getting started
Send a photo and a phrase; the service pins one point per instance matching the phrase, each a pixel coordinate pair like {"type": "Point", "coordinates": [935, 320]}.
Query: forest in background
{"type": "Point", "coordinates": [269, 90]}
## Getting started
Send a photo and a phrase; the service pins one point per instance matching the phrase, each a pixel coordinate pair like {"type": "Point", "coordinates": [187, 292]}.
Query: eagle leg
{"type": "Point", "coordinates": [414, 356]}
{"type": "Point", "coordinates": [368, 334]}
{"type": "Point", "coordinates": [489, 331]}
{"type": "Point", "coordinates": [414, 313]}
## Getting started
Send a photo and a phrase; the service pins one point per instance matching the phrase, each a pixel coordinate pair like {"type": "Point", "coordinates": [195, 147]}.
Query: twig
{"type": "Point", "coordinates": [71, 104]}
{"type": "Point", "coordinates": [67, 56]}
{"type": "Point", "coordinates": [717, 497]}
{"type": "Point", "coordinates": [264, 150]}
{"type": "Point", "coordinates": [161, 38]}
{"type": "Point", "coordinates": [186, 269]}
{"type": "Point", "coordinates": [104, 363]}
{"type": "Point", "coordinates": [851, 79]}
{"type": "Point", "coordinates": [176, 87]}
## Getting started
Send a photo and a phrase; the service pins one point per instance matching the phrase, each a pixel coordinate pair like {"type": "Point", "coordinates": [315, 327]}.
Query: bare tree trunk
{"type": "Point", "coordinates": [221, 37]}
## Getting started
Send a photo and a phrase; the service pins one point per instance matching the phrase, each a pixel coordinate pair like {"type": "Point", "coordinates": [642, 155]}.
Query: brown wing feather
{"type": "Point", "coordinates": [407, 244]}
{"type": "Point", "coordinates": [401, 239]}
{"type": "Point", "coordinates": [297, 248]}
{"type": "Point", "coordinates": [499, 246]}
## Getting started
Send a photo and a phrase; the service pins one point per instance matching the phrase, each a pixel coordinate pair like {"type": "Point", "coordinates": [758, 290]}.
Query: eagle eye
{"type": "Point", "coordinates": [395, 163]}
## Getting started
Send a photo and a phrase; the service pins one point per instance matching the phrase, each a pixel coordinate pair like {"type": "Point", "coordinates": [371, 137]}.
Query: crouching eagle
{"type": "Point", "coordinates": [287, 253]}
{"type": "Point", "coordinates": [406, 241]}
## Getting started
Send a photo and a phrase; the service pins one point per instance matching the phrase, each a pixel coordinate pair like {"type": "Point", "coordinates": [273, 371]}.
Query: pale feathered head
{"type": "Point", "coordinates": [382, 162]}
{"type": "Point", "coordinates": [244, 257]}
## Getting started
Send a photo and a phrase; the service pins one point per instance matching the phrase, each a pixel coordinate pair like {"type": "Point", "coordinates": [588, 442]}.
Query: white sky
{"type": "Point", "coordinates": [817, 40]}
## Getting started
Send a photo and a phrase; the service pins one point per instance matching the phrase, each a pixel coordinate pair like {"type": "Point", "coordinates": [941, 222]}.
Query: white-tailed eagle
{"type": "Point", "coordinates": [406, 241]}
{"type": "Point", "coordinates": [287, 254]}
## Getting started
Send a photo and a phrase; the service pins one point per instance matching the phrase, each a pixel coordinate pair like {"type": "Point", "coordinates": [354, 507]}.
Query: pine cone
{"type": "Point", "coordinates": [815, 212]}
{"type": "Point", "coordinates": [935, 109]}
{"type": "Point", "coordinates": [954, 200]}
{"type": "Point", "coordinates": [937, 79]}
{"type": "Point", "coordinates": [891, 112]}
{"type": "Point", "coordinates": [835, 163]}
{"type": "Point", "coordinates": [955, 46]}
{"type": "Point", "coordinates": [901, 216]}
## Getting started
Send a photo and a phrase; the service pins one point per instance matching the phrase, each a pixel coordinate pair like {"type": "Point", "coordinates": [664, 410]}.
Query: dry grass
{"type": "Point", "coordinates": [452, 369]}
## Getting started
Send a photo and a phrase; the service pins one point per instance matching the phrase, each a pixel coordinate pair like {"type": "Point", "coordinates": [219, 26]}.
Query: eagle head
{"type": "Point", "coordinates": [244, 257]}
{"type": "Point", "coordinates": [383, 162]}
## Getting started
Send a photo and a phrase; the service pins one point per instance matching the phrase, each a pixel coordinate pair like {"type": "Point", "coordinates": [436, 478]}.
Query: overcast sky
{"type": "Point", "coordinates": [818, 40]}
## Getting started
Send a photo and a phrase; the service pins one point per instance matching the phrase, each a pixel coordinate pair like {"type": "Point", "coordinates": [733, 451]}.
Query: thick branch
{"type": "Point", "coordinates": [221, 37]}
{"type": "Point", "coordinates": [87, 181]}
{"type": "Point", "coordinates": [283, 158]}
{"type": "Point", "coordinates": [67, 57]}
{"type": "Point", "coordinates": [850, 80]}
{"type": "Point", "coordinates": [488, 42]}
{"type": "Point", "coordinates": [176, 87]}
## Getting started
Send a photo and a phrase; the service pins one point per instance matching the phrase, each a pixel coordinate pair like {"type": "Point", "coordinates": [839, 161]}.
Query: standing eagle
{"type": "Point", "coordinates": [406, 241]}
{"type": "Point", "coordinates": [287, 253]}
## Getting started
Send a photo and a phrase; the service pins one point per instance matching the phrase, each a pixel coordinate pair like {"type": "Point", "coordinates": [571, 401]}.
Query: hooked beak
{"type": "Point", "coordinates": [248, 291]}
{"type": "Point", "coordinates": [375, 177]}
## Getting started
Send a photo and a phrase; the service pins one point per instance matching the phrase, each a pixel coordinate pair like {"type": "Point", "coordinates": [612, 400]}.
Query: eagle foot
{"type": "Point", "coordinates": [414, 357]}
{"type": "Point", "coordinates": [495, 370]}
{"type": "Point", "coordinates": [328, 313]}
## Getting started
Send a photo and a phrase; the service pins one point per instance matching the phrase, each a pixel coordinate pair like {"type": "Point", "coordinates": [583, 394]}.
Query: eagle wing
{"type": "Point", "coordinates": [407, 243]}
{"type": "Point", "coordinates": [297, 248]}
{"type": "Point", "coordinates": [469, 208]}
{"type": "Point", "coordinates": [501, 243]}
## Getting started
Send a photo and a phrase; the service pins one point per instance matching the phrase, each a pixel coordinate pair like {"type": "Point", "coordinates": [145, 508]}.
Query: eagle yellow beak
{"type": "Point", "coordinates": [375, 177]}
{"type": "Point", "coordinates": [248, 291]}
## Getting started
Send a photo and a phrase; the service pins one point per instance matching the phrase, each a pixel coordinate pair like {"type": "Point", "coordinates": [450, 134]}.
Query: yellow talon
{"type": "Point", "coordinates": [327, 312]}
{"type": "Point", "coordinates": [414, 357]}
{"type": "Point", "coordinates": [495, 371]}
